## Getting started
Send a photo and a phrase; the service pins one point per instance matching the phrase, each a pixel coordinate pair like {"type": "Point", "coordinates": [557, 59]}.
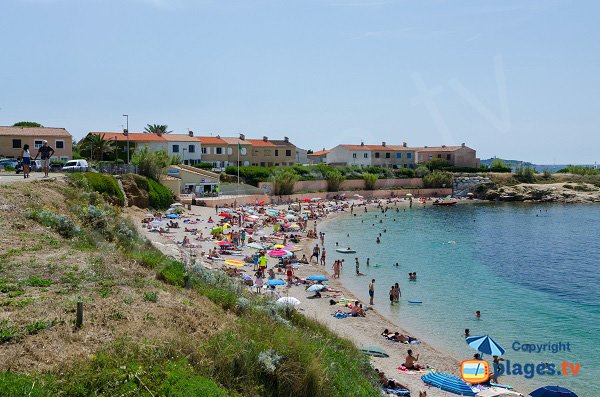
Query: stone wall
{"type": "Point", "coordinates": [349, 184]}
{"type": "Point", "coordinates": [468, 184]}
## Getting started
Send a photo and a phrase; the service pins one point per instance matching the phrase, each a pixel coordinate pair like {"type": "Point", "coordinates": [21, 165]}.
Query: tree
{"type": "Point", "coordinates": [421, 171]}
{"type": "Point", "coordinates": [334, 180]}
{"type": "Point", "coordinates": [498, 163]}
{"type": "Point", "coordinates": [283, 181]}
{"type": "Point", "coordinates": [157, 129]}
{"type": "Point", "coordinates": [370, 180]}
{"type": "Point", "coordinates": [96, 144]}
{"type": "Point", "coordinates": [437, 179]}
{"type": "Point", "coordinates": [436, 164]}
{"type": "Point", "coordinates": [27, 124]}
{"type": "Point", "coordinates": [150, 164]}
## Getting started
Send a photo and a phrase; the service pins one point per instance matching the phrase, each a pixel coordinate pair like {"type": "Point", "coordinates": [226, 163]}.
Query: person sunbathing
{"type": "Point", "coordinates": [411, 361]}
{"type": "Point", "coordinates": [389, 382]}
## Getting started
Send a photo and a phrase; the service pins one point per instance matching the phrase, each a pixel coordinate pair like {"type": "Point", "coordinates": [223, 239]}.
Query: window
{"type": "Point", "coordinates": [218, 150]}
{"type": "Point", "coordinates": [399, 155]}
{"type": "Point", "coordinates": [388, 155]}
{"type": "Point", "coordinates": [229, 151]}
{"type": "Point", "coordinates": [246, 163]}
{"type": "Point", "coordinates": [243, 151]}
{"type": "Point", "coordinates": [64, 158]}
{"type": "Point", "coordinates": [353, 155]}
{"type": "Point", "coordinates": [366, 155]}
{"type": "Point", "coordinates": [262, 163]}
{"type": "Point", "coordinates": [37, 144]}
{"type": "Point", "coordinates": [429, 157]}
{"type": "Point", "coordinates": [175, 149]}
{"type": "Point", "coordinates": [276, 152]}
{"type": "Point", "coordinates": [448, 157]}
{"type": "Point", "coordinates": [376, 155]}
{"type": "Point", "coordinates": [409, 155]}
{"type": "Point", "coordinates": [16, 144]}
{"type": "Point", "coordinates": [439, 156]}
{"type": "Point", "coordinates": [192, 148]}
{"type": "Point", "coordinates": [288, 153]}
{"type": "Point", "coordinates": [205, 150]}
{"type": "Point", "coordinates": [60, 144]}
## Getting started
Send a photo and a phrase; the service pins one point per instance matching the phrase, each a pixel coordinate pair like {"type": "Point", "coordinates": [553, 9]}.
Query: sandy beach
{"type": "Point", "coordinates": [361, 330]}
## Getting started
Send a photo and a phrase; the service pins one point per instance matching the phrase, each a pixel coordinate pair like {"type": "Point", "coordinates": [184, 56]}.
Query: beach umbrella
{"type": "Point", "coordinates": [261, 202]}
{"type": "Point", "coordinates": [255, 246]}
{"type": "Point", "coordinates": [317, 277]}
{"type": "Point", "coordinates": [552, 391]}
{"type": "Point", "coordinates": [233, 262]}
{"type": "Point", "coordinates": [291, 217]}
{"type": "Point", "coordinates": [409, 195]}
{"type": "Point", "coordinates": [224, 214]}
{"type": "Point", "coordinates": [276, 281]}
{"type": "Point", "coordinates": [316, 199]}
{"type": "Point", "coordinates": [176, 205]}
{"type": "Point", "coordinates": [278, 253]}
{"type": "Point", "coordinates": [485, 344]}
{"type": "Point", "coordinates": [315, 287]}
{"type": "Point", "coordinates": [294, 227]}
{"type": "Point", "coordinates": [375, 351]}
{"type": "Point", "coordinates": [448, 383]}
{"type": "Point", "coordinates": [223, 243]}
{"type": "Point", "coordinates": [288, 300]}
{"type": "Point", "coordinates": [306, 200]}
{"type": "Point", "coordinates": [172, 216]}
{"type": "Point", "coordinates": [278, 246]}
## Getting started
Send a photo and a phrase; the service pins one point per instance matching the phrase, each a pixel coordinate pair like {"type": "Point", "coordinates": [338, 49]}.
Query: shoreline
{"type": "Point", "coordinates": [361, 330]}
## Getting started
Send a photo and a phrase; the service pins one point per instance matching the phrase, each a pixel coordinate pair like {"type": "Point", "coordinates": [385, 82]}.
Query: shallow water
{"type": "Point", "coordinates": [532, 270]}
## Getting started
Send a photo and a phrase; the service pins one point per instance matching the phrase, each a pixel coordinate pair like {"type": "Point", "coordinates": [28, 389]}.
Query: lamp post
{"type": "Point", "coordinates": [127, 135]}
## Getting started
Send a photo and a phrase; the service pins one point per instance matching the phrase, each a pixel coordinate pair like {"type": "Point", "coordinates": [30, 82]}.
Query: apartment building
{"type": "Point", "coordinates": [12, 140]}
{"type": "Point", "coordinates": [458, 156]}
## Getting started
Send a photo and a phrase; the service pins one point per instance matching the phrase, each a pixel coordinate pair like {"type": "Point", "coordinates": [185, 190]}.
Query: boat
{"type": "Point", "coordinates": [345, 250]}
{"type": "Point", "coordinates": [445, 202]}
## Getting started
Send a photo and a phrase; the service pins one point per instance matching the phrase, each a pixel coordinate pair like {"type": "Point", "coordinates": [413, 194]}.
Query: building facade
{"type": "Point", "coordinates": [389, 156]}
{"type": "Point", "coordinates": [268, 153]}
{"type": "Point", "coordinates": [12, 140]}
{"type": "Point", "coordinates": [458, 156]}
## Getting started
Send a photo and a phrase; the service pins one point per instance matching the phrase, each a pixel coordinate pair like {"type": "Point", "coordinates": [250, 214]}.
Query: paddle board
{"type": "Point", "coordinates": [414, 301]}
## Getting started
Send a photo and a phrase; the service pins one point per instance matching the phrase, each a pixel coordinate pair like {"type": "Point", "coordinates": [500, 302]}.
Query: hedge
{"type": "Point", "coordinates": [106, 185]}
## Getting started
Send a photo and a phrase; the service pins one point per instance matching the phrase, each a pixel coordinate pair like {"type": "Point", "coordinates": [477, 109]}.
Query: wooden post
{"type": "Point", "coordinates": [79, 320]}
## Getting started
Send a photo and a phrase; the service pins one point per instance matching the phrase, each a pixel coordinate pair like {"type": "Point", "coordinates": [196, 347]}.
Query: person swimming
{"type": "Point", "coordinates": [378, 240]}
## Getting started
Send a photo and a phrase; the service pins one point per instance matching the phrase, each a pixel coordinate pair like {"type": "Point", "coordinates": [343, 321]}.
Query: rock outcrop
{"type": "Point", "coordinates": [555, 192]}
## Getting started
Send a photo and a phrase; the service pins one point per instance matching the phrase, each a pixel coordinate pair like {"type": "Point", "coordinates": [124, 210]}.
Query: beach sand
{"type": "Point", "coordinates": [360, 330]}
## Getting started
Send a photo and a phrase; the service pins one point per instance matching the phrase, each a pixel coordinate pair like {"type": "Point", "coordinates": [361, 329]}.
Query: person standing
{"type": "Point", "coordinates": [371, 291]}
{"type": "Point", "coordinates": [397, 292]}
{"type": "Point", "coordinates": [392, 295]}
{"type": "Point", "coordinates": [262, 264]}
{"type": "Point", "coordinates": [26, 158]}
{"type": "Point", "coordinates": [46, 152]}
{"type": "Point", "coordinates": [357, 267]}
{"type": "Point", "coordinates": [316, 253]}
{"type": "Point", "coordinates": [323, 257]}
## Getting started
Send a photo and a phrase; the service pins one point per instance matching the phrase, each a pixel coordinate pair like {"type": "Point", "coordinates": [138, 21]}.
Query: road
{"type": "Point", "coordinates": [11, 177]}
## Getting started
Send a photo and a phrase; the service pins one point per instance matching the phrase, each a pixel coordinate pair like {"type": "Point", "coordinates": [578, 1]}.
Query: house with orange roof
{"type": "Point", "coordinates": [318, 157]}
{"type": "Point", "coordinates": [384, 155]}
{"type": "Point", "coordinates": [458, 156]}
{"type": "Point", "coordinates": [12, 140]}
{"type": "Point", "coordinates": [222, 152]}
{"type": "Point", "coordinates": [268, 153]}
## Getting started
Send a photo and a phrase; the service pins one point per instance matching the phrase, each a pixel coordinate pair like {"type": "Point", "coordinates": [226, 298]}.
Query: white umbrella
{"type": "Point", "coordinates": [290, 217]}
{"type": "Point", "coordinates": [149, 216]}
{"type": "Point", "coordinates": [408, 195]}
{"type": "Point", "coordinates": [288, 300]}
{"type": "Point", "coordinates": [176, 205]}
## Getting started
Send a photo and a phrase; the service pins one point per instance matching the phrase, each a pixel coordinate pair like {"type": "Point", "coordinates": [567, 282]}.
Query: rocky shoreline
{"type": "Point", "coordinates": [541, 193]}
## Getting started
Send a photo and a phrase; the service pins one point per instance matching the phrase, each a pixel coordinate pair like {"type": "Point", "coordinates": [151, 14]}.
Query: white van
{"type": "Point", "coordinates": [76, 166]}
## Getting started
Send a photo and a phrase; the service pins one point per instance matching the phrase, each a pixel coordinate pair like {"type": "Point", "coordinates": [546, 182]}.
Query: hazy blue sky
{"type": "Point", "coordinates": [516, 79]}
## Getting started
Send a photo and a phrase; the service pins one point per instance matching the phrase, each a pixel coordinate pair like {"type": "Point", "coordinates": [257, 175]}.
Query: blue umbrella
{"type": "Point", "coordinates": [315, 288]}
{"type": "Point", "coordinates": [485, 344]}
{"type": "Point", "coordinates": [275, 282]}
{"type": "Point", "coordinates": [172, 216]}
{"type": "Point", "coordinates": [552, 391]}
{"type": "Point", "coordinates": [317, 277]}
{"type": "Point", "coordinates": [449, 383]}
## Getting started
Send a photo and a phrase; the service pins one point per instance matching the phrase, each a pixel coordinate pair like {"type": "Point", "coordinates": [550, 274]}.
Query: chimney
{"type": "Point", "coordinates": [462, 144]}
{"type": "Point", "coordinates": [425, 146]}
{"type": "Point", "coordinates": [190, 133]}
{"type": "Point", "coordinates": [443, 145]}
{"type": "Point", "coordinates": [265, 138]}
{"type": "Point", "coordinates": [362, 143]}
{"type": "Point", "coordinates": [218, 136]}
{"type": "Point", "coordinates": [403, 144]}
{"type": "Point", "coordinates": [286, 139]}
{"type": "Point", "coordinates": [383, 144]}
{"type": "Point", "coordinates": [242, 137]}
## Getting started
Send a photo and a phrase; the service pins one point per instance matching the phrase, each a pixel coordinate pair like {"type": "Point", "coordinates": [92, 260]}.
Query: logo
{"type": "Point", "coordinates": [475, 371]}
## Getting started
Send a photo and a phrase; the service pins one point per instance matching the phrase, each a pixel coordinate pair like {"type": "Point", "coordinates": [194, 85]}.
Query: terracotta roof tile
{"type": "Point", "coordinates": [34, 131]}
{"type": "Point", "coordinates": [211, 140]}
{"type": "Point", "coordinates": [180, 138]}
{"type": "Point", "coordinates": [260, 142]}
{"type": "Point", "coordinates": [133, 136]}
{"type": "Point", "coordinates": [319, 153]}
{"type": "Point", "coordinates": [439, 148]}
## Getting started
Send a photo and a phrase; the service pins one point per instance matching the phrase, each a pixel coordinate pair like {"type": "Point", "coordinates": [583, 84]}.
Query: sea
{"type": "Point", "coordinates": [532, 270]}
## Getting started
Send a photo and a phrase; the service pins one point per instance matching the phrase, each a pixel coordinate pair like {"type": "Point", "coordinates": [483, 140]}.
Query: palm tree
{"type": "Point", "coordinates": [157, 129]}
{"type": "Point", "coordinates": [97, 143]}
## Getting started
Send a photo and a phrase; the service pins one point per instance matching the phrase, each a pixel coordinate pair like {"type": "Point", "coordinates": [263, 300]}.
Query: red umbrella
{"type": "Point", "coordinates": [225, 215]}
{"type": "Point", "coordinates": [223, 243]}
{"type": "Point", "coordinates": [306, 200]}
{"type": "Point", "coordinates": [261, 202]}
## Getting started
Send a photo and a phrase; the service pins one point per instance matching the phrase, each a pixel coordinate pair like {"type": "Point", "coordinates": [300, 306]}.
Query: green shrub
{"type": "Point", "coordinates": [404, 173]}
{"type": "Point", "coordinates": [370, 180]}
{"type": "Point", "coordinates": [151, 296]}
{"type": "Point", "coordinates": [106, 185]}
{"type": "Point", "coordinates": [526, 174]}
{"type": "Point", "coordinates": [436, 164]}
{"type": "Point", "coordinates": [159, 195]}
{"type": "Point", "coordinates": [334, 179]}
{"type": "Point", "coordinates": [421, 171]}
{"type": "Point", "coordinates": [19, 385]}
{"type": "Point", "coordinates": [437, 179]}
{"type": "Point", "coordinates": [204, 166]}
{"type": "Point", "coordinates": [579, 170]}
{"type": "Point", "coordinates": [147, 256]}
{"type": "Point", "coordinates": [283, 181]}
{"type": "Point", "coordinates": [37, 326]}
{"type": "Point", "coordinates": [173, 273]}
{"type": "Point", "coordinates": [252, 175]}
{"type": "Point", "coordinates": [38, 282]}
{"type": "Point", "coordinates": [8, 331]}
{"type": "Point", "coordinates": [150, 163]}
{"type": "Point", "coordinates": [60, 223]}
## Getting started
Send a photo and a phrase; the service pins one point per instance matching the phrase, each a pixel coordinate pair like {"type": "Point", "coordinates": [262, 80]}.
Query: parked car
{"type": "Point", "coordinates": [76, 166]}
{"type": "Point", "coordinates": [12, 163]}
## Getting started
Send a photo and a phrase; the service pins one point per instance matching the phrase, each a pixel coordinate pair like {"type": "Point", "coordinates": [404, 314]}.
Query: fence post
{"type": "Point", "coordinates": [79, 320]}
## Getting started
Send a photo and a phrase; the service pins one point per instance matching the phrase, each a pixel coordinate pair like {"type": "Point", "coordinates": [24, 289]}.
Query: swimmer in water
{"type": "Point", "coordinates": [478, 314]}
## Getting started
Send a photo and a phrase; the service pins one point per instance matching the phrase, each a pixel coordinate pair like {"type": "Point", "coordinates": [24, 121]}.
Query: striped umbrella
{"type": "Point", "coordinates": [485, 344]}
{"type": "Point", "coordinates": [448, 383]}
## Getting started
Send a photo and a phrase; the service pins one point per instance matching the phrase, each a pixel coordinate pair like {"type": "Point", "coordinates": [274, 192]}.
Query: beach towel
{"type": "Point", "coordinates": [397, 392]}
{"type": "Point", "coordinates": [402, 368]}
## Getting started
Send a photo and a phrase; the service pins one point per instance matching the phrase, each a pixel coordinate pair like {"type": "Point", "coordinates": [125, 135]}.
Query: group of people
{"type": "Point", "coordinates": [45, 152]}
{"type": "Point", "coordinates": [395, 293]}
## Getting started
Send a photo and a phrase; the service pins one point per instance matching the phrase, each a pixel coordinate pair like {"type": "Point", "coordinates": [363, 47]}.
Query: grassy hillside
{"type": "Point", "coordinates": [151, 326]}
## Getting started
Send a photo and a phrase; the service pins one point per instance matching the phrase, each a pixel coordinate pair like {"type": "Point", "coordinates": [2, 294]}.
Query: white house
{"type": "Point", "coordinates": [185, 146]}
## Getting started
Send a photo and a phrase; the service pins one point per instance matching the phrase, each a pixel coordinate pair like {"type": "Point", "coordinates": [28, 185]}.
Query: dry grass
{"type": "Point", "coordinates": [44, 275]}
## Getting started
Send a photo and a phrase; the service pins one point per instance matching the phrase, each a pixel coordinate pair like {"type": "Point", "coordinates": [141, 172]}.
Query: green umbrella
{"type": "Point", "coordinates": [375, 351]}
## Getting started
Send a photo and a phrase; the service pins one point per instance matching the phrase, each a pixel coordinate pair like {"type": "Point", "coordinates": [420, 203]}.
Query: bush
{"type": "Point", "coordinates": [370, 180]}
{"type": "Point", "coordinates": [173, 273]}
{"type": "Point", "coordinates": [252, 175]}
{"type": "Point", "coordinates": [437, 179]}
{"type": "Point", "coordinates": [62, 224]}
{"type": "Point", "coordinates": [150, 163]}
{"type": "Point", "coordinates": [579, 170]}
{"type": "Point", "coordinates": [204, 166]}
{"type": "Point", "coordinates": [159, 195]}
{"type": "Point", "coordinates": [106, 185]}
{"type": "Point", "coordinates": [421, 171]}
{"type": "Point", "coordinates": [404, 173]}
{"type": "Point", "coordinates": [436, 164]}
{"type": "Point", "coordinates": [334, 180]}
{"type": "Point", "coordinates": [283, 182]}
{"type": "Point", "coordinates": [525, 174]}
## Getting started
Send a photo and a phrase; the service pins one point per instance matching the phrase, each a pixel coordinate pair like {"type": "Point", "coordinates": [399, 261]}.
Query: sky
{"type": "Point", "coordinates": [513, 79]}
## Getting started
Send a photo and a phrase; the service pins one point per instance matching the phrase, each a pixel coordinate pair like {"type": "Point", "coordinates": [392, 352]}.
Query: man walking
{"type": "Point", "coordinates": [371, 291]}
{"type": "Point", "coordinates": [46, 153]}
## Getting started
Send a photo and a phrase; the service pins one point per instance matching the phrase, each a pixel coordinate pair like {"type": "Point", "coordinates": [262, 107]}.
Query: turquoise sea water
{"type": "Point", "coordinates": [532, 270]}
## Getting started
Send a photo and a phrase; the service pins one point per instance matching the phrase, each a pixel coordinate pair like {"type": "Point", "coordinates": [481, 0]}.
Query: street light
{"type": "Point", "coordinates": [127, 135]}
